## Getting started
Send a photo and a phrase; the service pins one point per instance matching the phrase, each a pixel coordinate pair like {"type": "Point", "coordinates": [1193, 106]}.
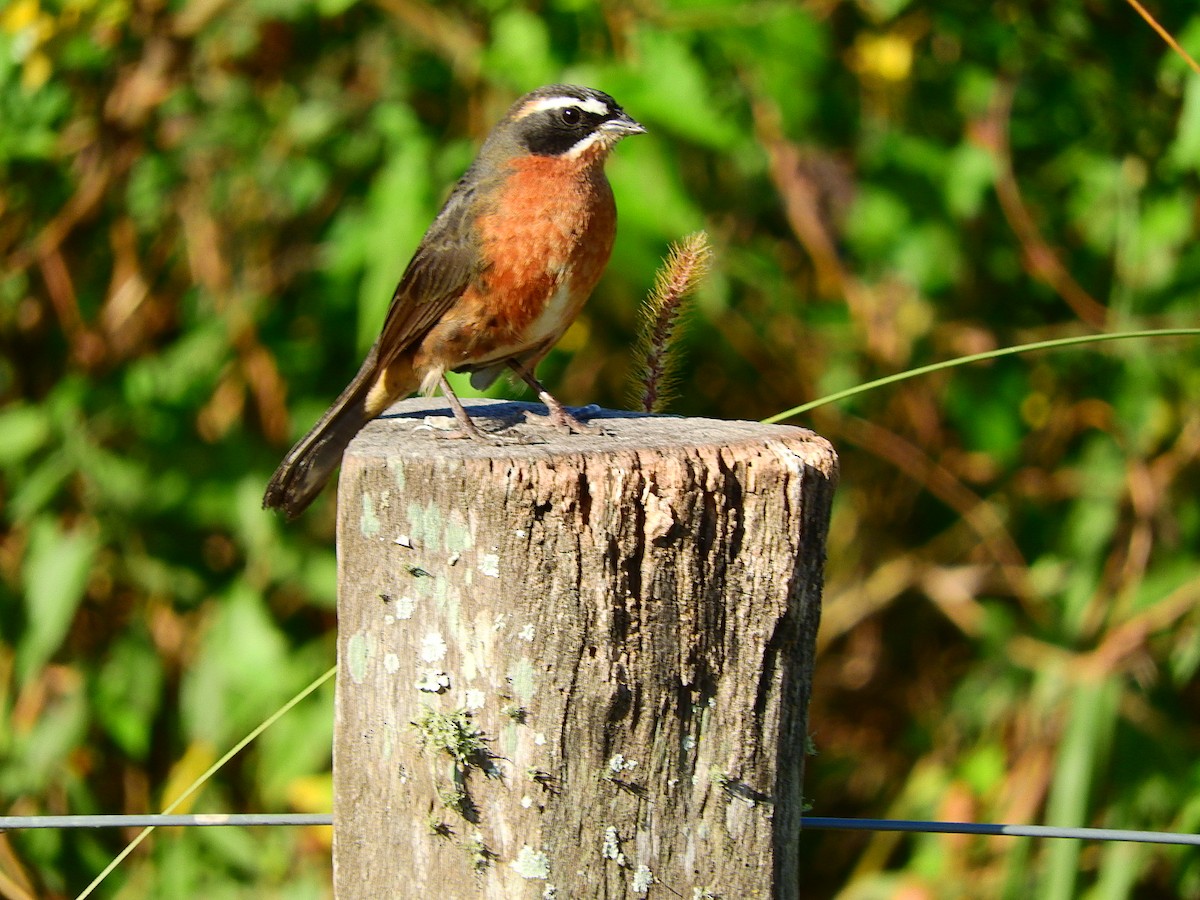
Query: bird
{"type": "Point", "coordinates": [503, 270]}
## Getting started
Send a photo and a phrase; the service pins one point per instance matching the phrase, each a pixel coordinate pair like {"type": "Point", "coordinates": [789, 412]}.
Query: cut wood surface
{"type": "Point", "coordinates": [575, 666]}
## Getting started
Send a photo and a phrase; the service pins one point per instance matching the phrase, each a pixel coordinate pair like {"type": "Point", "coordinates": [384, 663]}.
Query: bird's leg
{"type": "Point", "coordinates": [460, 415]}
{"type": "Point", "coordinates": [558, 413]}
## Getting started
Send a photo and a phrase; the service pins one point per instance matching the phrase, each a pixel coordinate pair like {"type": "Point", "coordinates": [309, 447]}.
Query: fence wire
{"type": "Point", "coordinates": [810, 823]}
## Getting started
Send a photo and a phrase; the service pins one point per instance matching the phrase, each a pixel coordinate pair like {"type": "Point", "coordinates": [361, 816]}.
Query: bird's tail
{"type": "Point", "coordinates": [308, 465]}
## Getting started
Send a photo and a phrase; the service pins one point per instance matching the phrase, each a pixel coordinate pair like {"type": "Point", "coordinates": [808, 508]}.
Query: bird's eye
{"type": "Point", "coordinates": [570, 115]}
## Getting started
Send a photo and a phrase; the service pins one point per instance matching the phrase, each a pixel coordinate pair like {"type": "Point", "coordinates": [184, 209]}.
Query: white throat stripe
{"type": "Point", "coordinates": [582, 146]}
{"type": "Point", "coordinates": [589, 104]}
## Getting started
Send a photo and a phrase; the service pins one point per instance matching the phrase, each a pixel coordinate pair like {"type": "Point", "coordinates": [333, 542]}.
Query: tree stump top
{"type": "Point", "coordinates": [412, 426]}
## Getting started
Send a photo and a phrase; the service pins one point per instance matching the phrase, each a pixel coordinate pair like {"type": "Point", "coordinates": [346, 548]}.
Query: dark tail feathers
{"type": "Point", "coordinates": [308, 465]}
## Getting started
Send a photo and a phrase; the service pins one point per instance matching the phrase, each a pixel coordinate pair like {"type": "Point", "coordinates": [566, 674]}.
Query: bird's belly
{"type": "Point", "coordinates": [549, 324]}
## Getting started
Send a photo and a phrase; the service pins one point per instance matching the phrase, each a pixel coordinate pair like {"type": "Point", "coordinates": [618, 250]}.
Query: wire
{"type": "Point", "coordinates": [810, 823]}
{"type": "Point", "coordinates": [1038, 831]}
{"type": "Point", "coordinates": [159, 820]}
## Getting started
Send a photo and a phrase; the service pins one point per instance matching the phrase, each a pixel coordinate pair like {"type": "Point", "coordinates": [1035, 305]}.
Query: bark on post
{"type": "Point", "coordinates": [575, 666]}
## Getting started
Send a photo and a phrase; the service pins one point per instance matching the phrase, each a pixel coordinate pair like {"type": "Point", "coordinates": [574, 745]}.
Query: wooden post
{"type": "Point", "coordinates": [575, 666]}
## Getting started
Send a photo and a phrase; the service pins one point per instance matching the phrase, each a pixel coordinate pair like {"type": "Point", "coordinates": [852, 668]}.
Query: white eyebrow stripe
{"type": "Point", "coordinates": [588, 104]}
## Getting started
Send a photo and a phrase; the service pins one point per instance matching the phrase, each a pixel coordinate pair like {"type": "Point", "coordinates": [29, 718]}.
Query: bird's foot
{"type": "Point", "coordinates": [558, 416]}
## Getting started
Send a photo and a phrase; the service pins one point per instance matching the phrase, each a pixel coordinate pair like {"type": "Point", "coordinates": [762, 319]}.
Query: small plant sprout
{"type": "Point", "coordinates": [532, 864]}
{"type": "Point", "coordinates": [720, 778]}
{"type": "Point", "coordinates": [481, 857]}
{"type": "Point", "coordinates": [454, 798]}
{"type": "Point", "coordinates": [703, 893]}
{"type": "Point", "coordinates": [642, 879]}
{"type": "Point", "coordinates": [453, 733]}
{"type": "Point", "coordinates": [513, 711]}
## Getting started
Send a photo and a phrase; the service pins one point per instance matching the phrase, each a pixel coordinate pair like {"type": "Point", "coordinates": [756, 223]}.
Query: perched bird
{"type": "Point", "coordinates": [499, 276]}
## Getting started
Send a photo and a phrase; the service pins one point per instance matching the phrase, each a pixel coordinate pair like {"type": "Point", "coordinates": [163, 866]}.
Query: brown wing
{"type": "Point", "coordinates": [446, 262]}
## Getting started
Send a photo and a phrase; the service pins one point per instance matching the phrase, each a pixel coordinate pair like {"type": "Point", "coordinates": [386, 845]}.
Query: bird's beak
{"type": "Point", "coordinates": [622, 125]}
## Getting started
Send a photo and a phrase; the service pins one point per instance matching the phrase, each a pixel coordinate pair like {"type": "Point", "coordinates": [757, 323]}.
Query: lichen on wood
{"type": "Point", "coordinates": [618, 628]}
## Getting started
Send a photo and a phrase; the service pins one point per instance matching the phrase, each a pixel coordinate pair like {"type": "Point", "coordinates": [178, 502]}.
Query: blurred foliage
{"type": "Point", "coordinates": [204, 206]}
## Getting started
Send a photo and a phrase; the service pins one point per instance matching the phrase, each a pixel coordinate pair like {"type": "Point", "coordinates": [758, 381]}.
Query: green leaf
{"type": "Point", "coordinates": [1091, 716]}
{"type": "Point", "coordinates": [54, 577]}
{"type": "Point", "coordinates": [241, 674]}
{"type": "Point", "coordinates": [40, 752]}
{"type": "Point", "coordinates": [128, 692]}
{"type": "Point", "coordinates": [331, 8]}
{"type": "Point", "coordinates": [38, 488]}
{"type": "Point", "coordinates": [970, 175]}
{"type": "Point", "coordinates": [1184, 153]}
{"type": "Point", "coordinates": [23, 431]}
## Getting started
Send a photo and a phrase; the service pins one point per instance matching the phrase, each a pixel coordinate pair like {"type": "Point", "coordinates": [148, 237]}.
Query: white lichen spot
{"type": "Point", "coordinates": [454, 558]}
{"type": "Point", "coordinates": [432, 681]}
{"type": "Point", "coordinates": [526, 802]}
{"type": "Point", "coordinates": [612, 847]}
{"type": "Point", "coordinates": [389, 619]}
{"type": "Point", "coordinates": [498, 622]}
{"type": "Point", "coordinates": [405, 607]}
{"type": "Point", "coordinates": [391, 663]}
{"type": "Point", "coordinates": [619, 764]}
{"type": "Point", "coordinates": [489, 565]}
{"type": "Point", "coordinates": [526, 633]}
{"type": "Point", "coordinates": [642, 879]}
{"type": "Point", "coordinates": [521, 532]}
{"type": "Point", "coordinates": [436, 423]}
{"type": "Point", "coordinates": [531, 864]}
{"type": "Point", "coordinates": [474, 699]}
{"type": "Point", "coordinates": [402, 540]}
{"type": "Point", "coordinates": [368, 521]}
{"type": "Point", "coordinates": [433, 648]}
{"type": "Point", "coordinates": [523, 680]}
{"type": "Point", "coordinates": [358, 653]}
{"type": "Point", "coordinates": [539, 739]}
{"type": "Point", "coordinates": [689, 742]}
{"type": "Point", "coordinates": [612, 843]}
{"type": "Point", "coordinates": [550, 893]}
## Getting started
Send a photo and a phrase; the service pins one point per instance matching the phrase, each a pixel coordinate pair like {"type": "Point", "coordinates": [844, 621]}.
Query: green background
{"type": "Point", "coordinates": [204, 206]}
